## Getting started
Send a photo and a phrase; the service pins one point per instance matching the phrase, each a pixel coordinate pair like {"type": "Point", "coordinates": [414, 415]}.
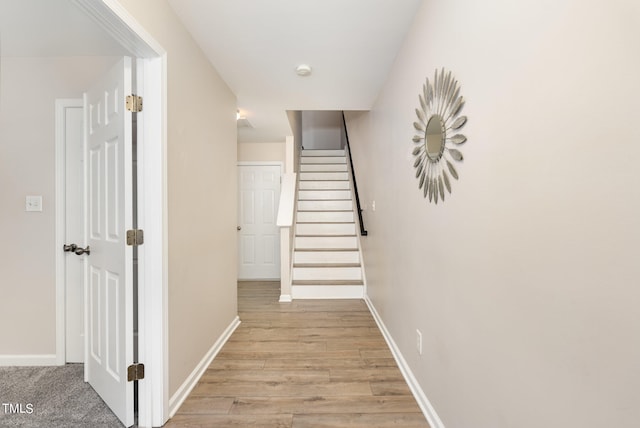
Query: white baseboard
{"type": "Point", "coordinates": [285, 298]}
{"type": "Point", "coordinates": [327, 292]}
{"type": "Point", "coordinates": [29, 360]}
{"type": "Point", "coordinates": [426, 407]}
{"type": "Point", "coordinates": [187, 386]}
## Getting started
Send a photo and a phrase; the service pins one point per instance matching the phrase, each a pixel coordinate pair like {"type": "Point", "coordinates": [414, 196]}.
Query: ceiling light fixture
{"type": "Point", "coordinates": [303, 70]}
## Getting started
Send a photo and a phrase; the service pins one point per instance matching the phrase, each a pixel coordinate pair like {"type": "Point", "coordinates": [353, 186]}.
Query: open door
{"type": "Point", "coordinates": [108, 215]}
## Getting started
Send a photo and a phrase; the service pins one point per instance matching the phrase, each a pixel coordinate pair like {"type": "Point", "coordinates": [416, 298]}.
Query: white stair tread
{"type": "Point", "coordinates": [320, 249]}
{"type": "Point", "coordinates": [321, 229]}
{"type": "Point", "coordinates": [316, 152]}
{"type": "Point", "coordinates": [328, 283]}
{"type": "Point", "coordinates": [323, 159]}
{"type": "Point", "coordinates": [326, 242]}
{"type": "Point", "coordinates": [328, 236]}
{"type": "Point", "coordinates": [326, 265]}
{"type": "Point", "coordinates": [319, 195]}
{"type": "Point", "coordinates": [325, 205]}
{"type": "Point", "coordinates": [328, 185]}
{"type": "Point", "coordinates": [326, 257]}
{"type": "Point", "coordinates": [327, 274]}
{"type": "Point", "coordinates": [324, 222]}
{"type": "Point", "coordinates": [325, 211]}
{"type": "Point", "coordinates": [323, 176]}
{"type": "Point", "coordinates": [325, 217]}
{"type": "Point", "coordinates": [305, 167]}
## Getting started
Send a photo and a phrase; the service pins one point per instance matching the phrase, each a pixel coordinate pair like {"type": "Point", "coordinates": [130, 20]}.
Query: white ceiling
{"type": "Point", "coordinates": [49, 28]}
{"type": "Point", "coordinates": [256, 45]}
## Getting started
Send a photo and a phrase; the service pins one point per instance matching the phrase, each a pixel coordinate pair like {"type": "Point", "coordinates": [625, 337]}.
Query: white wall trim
{"type": "Point", "coordinates": [28, 360]}
{"type": "Point", "coordinates": [153, 346]}
{"type": "Point", "coordinates": [285, 298]}
{"type": "Point", "coordinates": [424, 403]}
{"type": "Point", "coordinates": [121, 26]}
{"type": "Point", "coordinates": [192, 380]}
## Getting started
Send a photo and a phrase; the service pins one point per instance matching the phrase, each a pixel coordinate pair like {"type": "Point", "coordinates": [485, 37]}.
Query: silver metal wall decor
{"type": "Point", "coordinates": [437, 142]}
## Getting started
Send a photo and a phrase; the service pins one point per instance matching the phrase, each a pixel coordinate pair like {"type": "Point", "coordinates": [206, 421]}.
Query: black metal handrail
{"type": "Point", "coordinates": [363, 231]}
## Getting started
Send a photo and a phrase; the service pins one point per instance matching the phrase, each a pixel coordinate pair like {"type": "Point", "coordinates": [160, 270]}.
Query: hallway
{"type": "Point", "coordinates": [310, 363]}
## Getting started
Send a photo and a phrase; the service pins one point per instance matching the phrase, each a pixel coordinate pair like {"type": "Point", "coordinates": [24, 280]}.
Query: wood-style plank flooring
{"type": "Point", "coordinates": [310, 363]}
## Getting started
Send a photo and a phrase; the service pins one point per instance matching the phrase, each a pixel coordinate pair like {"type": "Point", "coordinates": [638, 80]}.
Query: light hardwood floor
{"type": "Point", "coordinates": [309, 363]}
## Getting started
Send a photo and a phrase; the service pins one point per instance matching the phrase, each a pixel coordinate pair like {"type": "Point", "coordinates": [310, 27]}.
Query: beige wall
{"type": "Point", "coordinates": [253, 152]}
{"type": "Point", "coordinates": [524, 282]}
{"type": "Point", "coordinates": [322, 130]}
{"type": "Point", "coordinates": [295, 121]}
{"type": "Point", "coordinates": [28, 89]}
{"type": "Point", "coordinates": [201, 151]}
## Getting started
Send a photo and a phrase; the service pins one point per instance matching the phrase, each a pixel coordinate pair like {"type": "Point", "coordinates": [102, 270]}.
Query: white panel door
{"type": "Point", "coordinates": [259, 236]}
{"type": "Point", "coordinates": [109, 275]}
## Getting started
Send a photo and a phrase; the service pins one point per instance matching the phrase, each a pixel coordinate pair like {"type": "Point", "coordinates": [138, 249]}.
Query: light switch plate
{"type": "Point", "coordinates": [33, 203]}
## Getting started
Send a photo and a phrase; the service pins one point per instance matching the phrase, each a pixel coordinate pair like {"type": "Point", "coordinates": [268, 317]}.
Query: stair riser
{"type": "Point", "coordinates": [306, 153]}
{"type": "Point", "coordinates": [324, 195]}
{"type": "Point", "coordinates": [324, 185]}
{"type": "Point", "coordinates": [327, 274]}
{"type": "Point", "coordinates": [322, 176]}
{"type": "Point", "coordinates": [323, 167]}
{"type": "Point", "coordinates": [322, 242]}
{"type": "Point", "coordinates": [325, 229]}
{"type": "Point", "coordinates": [322, 159]}
{"type": "Point", "coordinates": [325, 217]}
{"type": "Point", "coordinates": [324, 205]}
{"type": "Point", "coordinates": [326, 257]}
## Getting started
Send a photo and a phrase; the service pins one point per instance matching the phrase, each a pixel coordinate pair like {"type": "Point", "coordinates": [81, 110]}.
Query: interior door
{"type": "Point", "coordinates": [259, 237]}
{"type": "Point", "coordinates": [108, 214]}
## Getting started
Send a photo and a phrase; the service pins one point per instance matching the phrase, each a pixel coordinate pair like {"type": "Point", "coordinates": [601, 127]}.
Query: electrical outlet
{"type": "Point", "coordinates": [419, 341]}
{"type": "Point", "coordinates": [373, 205]}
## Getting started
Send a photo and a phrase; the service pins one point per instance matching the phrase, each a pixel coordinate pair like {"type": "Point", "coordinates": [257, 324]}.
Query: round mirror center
{"type": "Point", "coordinates": [434, 137]}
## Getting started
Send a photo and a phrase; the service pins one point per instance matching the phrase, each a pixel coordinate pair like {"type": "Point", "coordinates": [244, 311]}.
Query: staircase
{"type": "Point", "coordinates": [326, 258]}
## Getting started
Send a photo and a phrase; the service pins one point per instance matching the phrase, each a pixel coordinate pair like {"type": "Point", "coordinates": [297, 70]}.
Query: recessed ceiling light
{"type": "Point", "coordinates": [303, 70]}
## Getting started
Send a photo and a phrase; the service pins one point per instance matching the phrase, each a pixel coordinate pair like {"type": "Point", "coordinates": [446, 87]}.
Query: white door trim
{"type": "Point", "coordinates": [61, 106]}
{"type": "Point", "coordinates": [153, 391]}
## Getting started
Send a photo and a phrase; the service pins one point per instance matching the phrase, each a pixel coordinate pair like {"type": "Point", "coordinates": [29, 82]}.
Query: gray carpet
{"type": "Point", "coordinates": [58, 397]}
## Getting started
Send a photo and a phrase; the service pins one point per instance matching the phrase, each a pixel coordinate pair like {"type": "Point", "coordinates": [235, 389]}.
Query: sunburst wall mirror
{"type": "Point", "coordinates": [438, 139]}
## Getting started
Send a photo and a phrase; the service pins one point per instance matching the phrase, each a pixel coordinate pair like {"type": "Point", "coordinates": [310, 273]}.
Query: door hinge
{"type": "Point", "coordinates": [135, 372]}
{"type": "Point", "coordinates": [134, 103]}
{"type": "Point", "coordinates": [135, 237]}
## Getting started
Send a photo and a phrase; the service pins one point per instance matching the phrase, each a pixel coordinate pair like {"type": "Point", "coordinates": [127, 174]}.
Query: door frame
{"type": "Point", "coordinates": [261, 163]}
{"type": "Point", "coordinates": [151, 77]}
{"type": "Point", "coordinates": [62, 104]}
